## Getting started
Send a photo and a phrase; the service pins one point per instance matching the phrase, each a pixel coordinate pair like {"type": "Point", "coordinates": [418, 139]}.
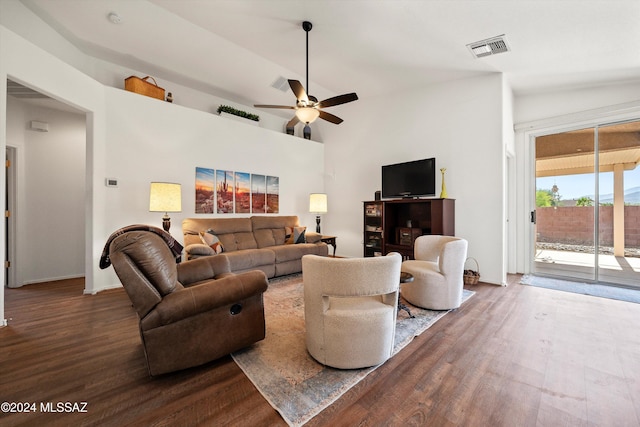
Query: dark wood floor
{"type": "Point", "coordinates": [510, 356]}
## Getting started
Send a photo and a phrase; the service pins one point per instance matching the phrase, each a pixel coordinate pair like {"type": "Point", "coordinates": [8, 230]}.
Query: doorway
{"type": "Point", "coordinates": [588, 204]}
{"type": "Point", "coordinates": [45, 190]}
{"type": "Point", "coordinates": [9, 223]}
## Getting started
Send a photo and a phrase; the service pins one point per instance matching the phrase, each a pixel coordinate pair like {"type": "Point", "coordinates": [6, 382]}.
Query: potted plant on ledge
{"type": "Point", "coordinates": [225, 110]}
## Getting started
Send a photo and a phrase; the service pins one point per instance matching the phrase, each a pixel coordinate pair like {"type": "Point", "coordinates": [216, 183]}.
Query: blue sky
{"type": "Point", "coordinates": [576, 186]}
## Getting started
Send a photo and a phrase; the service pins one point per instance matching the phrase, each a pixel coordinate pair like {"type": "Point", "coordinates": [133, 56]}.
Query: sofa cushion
{"type": "Point", "coordinates": [198, 249]}
{"type": "Point", "coordinates": [191, 228]}
{"type": "Point", "coordinates": [210, 239]}
{"type": "Point", "coordinates": [286, 253]}
{"type": "Point", "coordinates": [294, 235]}
{"type": "Point", "coordinates": [262, 222]}
{"type": "Point", "coordinates": [250, 258]}
{"type": "Point", "coordinates": [270, 230]}
{"type": "Point", "coordinates": [242, 241]}
{"type": "Point", "coordinates": [266, 237]}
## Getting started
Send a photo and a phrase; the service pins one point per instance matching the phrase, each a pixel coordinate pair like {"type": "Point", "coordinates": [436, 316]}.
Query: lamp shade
{"type": "Point", "coordinates": [165, 197]}
{"type": "Point", "coordinates": [318, 203]}
{"type": "Point", "coordinates": [307, 114]}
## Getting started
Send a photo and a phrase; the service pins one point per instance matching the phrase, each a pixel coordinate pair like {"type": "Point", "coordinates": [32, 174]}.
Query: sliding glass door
{"type": "Point", "coordinates": [587, 218]}
{"type": "Point", "coordinates": [619, 203]}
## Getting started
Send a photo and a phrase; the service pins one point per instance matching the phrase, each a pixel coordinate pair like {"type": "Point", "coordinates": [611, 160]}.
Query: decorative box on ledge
{"type": "Point", "coordinates": [144, 87]}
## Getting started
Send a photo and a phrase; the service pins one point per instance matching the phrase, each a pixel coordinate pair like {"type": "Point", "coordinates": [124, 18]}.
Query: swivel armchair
{"type": "Point", "coordinates": [350, 307]}
{"type": "Point", "coordinates": [438, 270]}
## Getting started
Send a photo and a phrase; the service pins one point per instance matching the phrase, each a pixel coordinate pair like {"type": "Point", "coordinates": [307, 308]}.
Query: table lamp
{"type": "Point", "coordinates": [318, 205]}
{"type": "Point", "coordinates": [165, 197]}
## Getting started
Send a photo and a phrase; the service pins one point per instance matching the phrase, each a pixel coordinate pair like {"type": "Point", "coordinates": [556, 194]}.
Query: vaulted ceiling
{"type": "Point", "coordinates": [236, 49]}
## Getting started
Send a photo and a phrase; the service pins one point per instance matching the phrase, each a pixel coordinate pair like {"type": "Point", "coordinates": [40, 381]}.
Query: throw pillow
{"type": "Point", "coordinates": [294, 235]}
{"type": "Point", "coordinates": [210, 239]}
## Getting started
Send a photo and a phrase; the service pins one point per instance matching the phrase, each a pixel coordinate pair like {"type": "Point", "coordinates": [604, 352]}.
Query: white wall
{"type": "Point", "coordinates": [459, 123]}
{"type": "Point", "coordinates": [50, 193]}
{"type": "Point", "coordinates": [149, 140]}
{"type": "Point", "coordinates": [531, 107]}
{"type": "Point", "coordinates": [25, 63]}
{"type": "Point", "coordinates": [543, 112]}
{"type": "Point", "coordinates": [508, 187]}
{"type": "Point", "coordinates": [138, 139]}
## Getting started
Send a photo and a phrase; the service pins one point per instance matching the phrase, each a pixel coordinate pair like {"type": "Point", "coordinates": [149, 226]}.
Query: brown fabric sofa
{"type": "Point", "coordinates": [257, 242]}
{"type": "Point", "coordinates": [190, 313]}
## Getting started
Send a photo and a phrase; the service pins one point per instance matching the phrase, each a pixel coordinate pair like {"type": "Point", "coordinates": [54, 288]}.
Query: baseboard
{"type": "Point", "coordinates": [52, 279]}
{"type": "Point", "coordinates": [105, 288]}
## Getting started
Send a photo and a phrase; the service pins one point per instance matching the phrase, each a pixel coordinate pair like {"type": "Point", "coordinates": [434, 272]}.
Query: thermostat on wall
{"type": "Point", "coordinates": [111, 182]}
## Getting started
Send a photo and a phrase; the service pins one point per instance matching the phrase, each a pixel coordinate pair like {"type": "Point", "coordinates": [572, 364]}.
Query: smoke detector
{"type": "Point", "coordinates": [114, 18]}
{"type": "Point", "coordinates": [492, 46]}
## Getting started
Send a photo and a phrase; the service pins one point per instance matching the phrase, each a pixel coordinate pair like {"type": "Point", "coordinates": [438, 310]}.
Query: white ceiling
{"type": "Point", "coordinates": [237, 48]}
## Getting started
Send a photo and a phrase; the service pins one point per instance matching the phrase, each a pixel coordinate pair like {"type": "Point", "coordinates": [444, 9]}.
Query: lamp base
{"type": "Point", "coordinates": [318, 224]}
{"type": "Point", "coordinates": [166, 223]}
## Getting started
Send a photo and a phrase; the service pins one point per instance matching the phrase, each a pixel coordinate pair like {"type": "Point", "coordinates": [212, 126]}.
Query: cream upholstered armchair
{"type": "Point", "coordinates": [438, 270]}
{"type": "Point", "coordinates": [350, 307]}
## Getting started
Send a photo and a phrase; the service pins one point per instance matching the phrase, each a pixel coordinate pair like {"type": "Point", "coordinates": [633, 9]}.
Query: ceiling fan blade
{"type": "Point", "coordinates": [337, 100]}
{"type": "Point", "coordinates": [298, 90]}
{"type": "Point", "coordinates": [274, 106]}
{"type": "Point", "coordinates": [330, 117]}
{"type": "Point", "coordinates": [293, 122]}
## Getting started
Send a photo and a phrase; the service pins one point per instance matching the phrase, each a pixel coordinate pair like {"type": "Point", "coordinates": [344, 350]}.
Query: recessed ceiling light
{"type": "Point", "coordinates": [114, 18]}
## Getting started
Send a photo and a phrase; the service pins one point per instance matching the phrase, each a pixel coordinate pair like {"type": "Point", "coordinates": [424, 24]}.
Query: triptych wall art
{"type": "Point", "coordinates": [236, 192]}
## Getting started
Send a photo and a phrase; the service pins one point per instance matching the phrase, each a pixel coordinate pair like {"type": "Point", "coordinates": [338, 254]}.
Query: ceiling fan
{"type": "Point", "coordinates": [307, 107]}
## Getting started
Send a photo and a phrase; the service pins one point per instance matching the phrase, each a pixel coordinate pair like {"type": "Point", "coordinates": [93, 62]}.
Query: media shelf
{"type": "Point", "coordinates": [393, 225]}
{"type": "Point", "coordinates": [373, 228]}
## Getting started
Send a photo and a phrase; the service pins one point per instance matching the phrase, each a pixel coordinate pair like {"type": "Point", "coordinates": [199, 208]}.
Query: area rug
{"type": "Point", "coordinates": [282, 370]}
{"type": "Point", "coordinates": [593, 289]}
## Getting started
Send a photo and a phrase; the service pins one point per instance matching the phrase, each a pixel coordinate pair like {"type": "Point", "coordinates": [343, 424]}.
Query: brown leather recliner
{"type": "Point", "coordinates": [190, 313]}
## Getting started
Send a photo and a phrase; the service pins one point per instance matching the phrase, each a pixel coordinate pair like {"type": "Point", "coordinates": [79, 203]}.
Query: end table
{"type": "Point", "coordinates": [330, 240]}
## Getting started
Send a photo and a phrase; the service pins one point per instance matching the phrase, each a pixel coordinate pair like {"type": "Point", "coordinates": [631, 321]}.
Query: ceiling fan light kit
{"type": "Point", "coordinates": [307, 108]}
{"type": "Point", "coordinates": [307, 114]}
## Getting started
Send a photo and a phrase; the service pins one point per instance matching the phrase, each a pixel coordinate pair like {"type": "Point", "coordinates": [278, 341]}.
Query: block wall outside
{"type": "Point", "coordinates": [573, 225]}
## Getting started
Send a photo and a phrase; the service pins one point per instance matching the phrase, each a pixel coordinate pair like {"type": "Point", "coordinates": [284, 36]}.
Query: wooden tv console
{"type": "Point", "coordinates": [393, 225]}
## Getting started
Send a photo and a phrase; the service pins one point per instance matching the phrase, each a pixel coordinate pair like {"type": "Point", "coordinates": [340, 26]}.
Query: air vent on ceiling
{"type": "Point", "coordinates": [487, 47]}
{"type": "Point", "coordinates": [281, 83]}
{"type": "Point", "coordinates": [19, 91]}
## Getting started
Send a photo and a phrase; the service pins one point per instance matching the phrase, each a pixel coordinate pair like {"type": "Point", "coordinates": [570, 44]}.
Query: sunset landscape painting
{"type": "Point", "coordinates": [224, 191]}
{"type": "Point", "coordinates": [204, 190]}
{"type": "Point", "coordinates": [243, 192]}
{"type": "Point", "coordinates": [273, 194]}
{"type": "Point", "coordinates": [258, 193]}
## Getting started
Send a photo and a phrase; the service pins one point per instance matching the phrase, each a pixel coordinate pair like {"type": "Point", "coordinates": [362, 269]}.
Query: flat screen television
{"type": "Point", "coordinates": [409, 179]}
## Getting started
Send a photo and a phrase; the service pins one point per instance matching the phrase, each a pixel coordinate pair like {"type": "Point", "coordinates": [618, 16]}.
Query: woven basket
{"type": "Point", "coordinates": [471, 277]}
{"type": "Point", "coordinates": [144, 87]}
